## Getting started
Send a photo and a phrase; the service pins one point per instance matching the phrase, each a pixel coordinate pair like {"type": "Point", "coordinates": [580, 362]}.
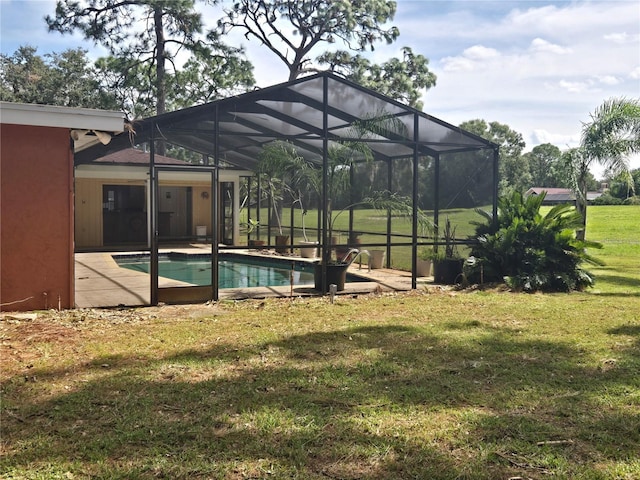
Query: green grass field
{"type": "Point", "coordinates": [432, 384]}
{"type": "Point", "coordinates": [616, 227]}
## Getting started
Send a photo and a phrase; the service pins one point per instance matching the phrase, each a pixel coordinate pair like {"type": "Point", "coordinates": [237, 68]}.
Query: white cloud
{"type": "Point", "coordinates": [540, 16]}
{"type": "Point", "coordinates": [480, 53]}
{"type": "Point", "coordinates": [608, 79]}
{"type": "Point", "coordinates": [457, 64]}
{"type": "Point", "coordinates": [540, 136]}
{"type": "Point", "coordinates": [575, 87]}
{"type": "Point", "coordinates": [635, 73]}
{"type": "Point", "coordinates": [565, 20]}
{"type": "Point", "coordinates": [595, 83]}
{"type": "Point", "coordinates": [471, 59]}
{"type": "Point", "coordinates": [541, 45]}
{"type": "Point", "coordinates": [621, 38]}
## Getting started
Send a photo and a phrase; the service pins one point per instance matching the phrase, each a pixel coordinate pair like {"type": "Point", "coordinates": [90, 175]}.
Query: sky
{"type": "Point", "coordinates": [540, 67]}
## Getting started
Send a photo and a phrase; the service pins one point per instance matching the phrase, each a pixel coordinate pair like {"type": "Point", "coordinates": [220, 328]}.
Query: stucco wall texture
{"type": "Point", "coordinates": [36, 218]}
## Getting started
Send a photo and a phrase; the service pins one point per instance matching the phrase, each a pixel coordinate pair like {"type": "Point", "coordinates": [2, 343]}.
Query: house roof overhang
{"type": "Point", "coordinates": [127, 173]}
{"type": "Point", "coordinates": [87, 125]}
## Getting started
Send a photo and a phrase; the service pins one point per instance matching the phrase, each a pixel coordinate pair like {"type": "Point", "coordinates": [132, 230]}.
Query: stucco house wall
{"type": "Point", "coordinates": [36, 200]}
{"type": "Point", "coordinates": [36, 211]}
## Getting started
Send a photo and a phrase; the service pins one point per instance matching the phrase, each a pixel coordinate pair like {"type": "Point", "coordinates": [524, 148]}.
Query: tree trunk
{"type": "Point", "coordinates": [160, 70]}
{"type": "Point", "coordinates": [581, 203]}
{"type": "Point", "coordinates": [160, 61]}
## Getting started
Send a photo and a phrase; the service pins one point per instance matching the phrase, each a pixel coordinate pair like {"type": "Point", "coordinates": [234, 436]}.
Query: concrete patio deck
{"type": "Point", "coordinates": [101, 282]}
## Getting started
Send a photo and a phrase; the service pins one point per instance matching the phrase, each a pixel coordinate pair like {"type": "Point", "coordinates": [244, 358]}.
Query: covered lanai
{"type": "Point", "coordinates": [442, 169]}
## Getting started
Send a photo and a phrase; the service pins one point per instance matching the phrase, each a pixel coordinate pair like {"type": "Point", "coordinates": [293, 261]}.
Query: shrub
{"type": "Point", "coordinates": [529, 251]}
{"type": "Point", "coordinates": [607, 199]}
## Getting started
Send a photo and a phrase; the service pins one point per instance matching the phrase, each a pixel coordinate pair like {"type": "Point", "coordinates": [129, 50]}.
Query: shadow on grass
{"type": "Point", "coordinates": [620, 281]}
{"type": "Point", "coordinates": [632, 330]}
{"type": "Point", "coordinates": [617, 294]}
{"type": "Point", "coordinates": [358, 403]}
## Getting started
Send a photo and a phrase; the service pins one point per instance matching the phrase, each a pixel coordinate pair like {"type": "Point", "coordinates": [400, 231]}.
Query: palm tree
{"type": "Point", "coordinates": [608, 139]}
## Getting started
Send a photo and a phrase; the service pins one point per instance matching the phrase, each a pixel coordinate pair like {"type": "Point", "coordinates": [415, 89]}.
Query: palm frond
{"type": "Point", "coordinates": [613, 133]}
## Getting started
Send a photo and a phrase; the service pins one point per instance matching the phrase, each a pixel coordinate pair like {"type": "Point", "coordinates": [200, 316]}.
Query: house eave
{"type": "Point", "coordinates": [61, 117]}
{"type": "Point", "coordinates": [130, 172]}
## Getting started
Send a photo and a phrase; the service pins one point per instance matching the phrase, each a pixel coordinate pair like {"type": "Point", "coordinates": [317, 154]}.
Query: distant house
{"type": "Point", "coordinates": [557, 196]}
{"type": "Point", "coordinates": [554, 196]}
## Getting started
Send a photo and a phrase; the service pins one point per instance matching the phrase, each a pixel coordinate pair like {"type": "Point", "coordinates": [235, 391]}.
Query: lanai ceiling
{"type": "Point", "coordinates": [296, 112]}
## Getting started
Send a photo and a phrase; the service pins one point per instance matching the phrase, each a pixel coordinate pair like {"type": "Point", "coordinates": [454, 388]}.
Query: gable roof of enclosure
{"type": "Point", "coordinates": [235, 129]}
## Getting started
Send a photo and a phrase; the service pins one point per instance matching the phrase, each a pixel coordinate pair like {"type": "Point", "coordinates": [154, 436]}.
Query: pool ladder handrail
{"type": "Point", "coordinates": [349, 258]}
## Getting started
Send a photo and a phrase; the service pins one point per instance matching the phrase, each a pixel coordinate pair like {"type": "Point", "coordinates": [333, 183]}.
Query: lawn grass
{"type": "Point", "coordinates": [618, 229]}
{"type": "Point", "coordinates": [432, 384]}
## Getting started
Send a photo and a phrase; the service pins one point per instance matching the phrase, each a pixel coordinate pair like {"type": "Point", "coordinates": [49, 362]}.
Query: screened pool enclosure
{"type": "Point", "coordinates": [367, 172]}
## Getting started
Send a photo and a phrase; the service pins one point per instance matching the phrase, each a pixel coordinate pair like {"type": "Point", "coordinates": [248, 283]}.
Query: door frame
{"type": "Point", "coordinates": [155, 172]}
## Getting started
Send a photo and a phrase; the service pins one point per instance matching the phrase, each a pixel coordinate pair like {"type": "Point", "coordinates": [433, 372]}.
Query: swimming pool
{"type": "Point", "coordinates": [235, 271]}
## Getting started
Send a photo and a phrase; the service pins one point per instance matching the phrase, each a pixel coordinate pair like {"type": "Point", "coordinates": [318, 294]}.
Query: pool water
{"type": "Point", "coordinates": [235, 271]}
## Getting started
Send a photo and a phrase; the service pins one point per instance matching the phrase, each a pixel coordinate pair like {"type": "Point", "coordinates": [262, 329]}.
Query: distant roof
{"type": "Point", "coordinates": [560, 195]}
{"type": "Point", "coordinates": [554, 195]}
{"type": "Point", "coordinates": [131, 156]}
{"type": "Point", "coordinates": [593, 195]}
{"type": "Point", "coordinates": [306, 112]}
{"type": "Point", "coordinates": [549, 190]}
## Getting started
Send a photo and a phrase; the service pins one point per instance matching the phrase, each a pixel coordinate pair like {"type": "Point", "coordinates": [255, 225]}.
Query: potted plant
{"type": "Point", "coordinates": [341, 156]}
{"type": "Point", "coordinates": [425, 261]}
{"type": "Point", "coordinates": [403, 207]}
{"type": "Point", "coordinates": [278, 166]}
{"type": "Point", "coordinates": [252, 226]}
{"type": "Point", "coordinates": [447, 265]}
{"type": "Point", "coordinates": [308, 249]}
